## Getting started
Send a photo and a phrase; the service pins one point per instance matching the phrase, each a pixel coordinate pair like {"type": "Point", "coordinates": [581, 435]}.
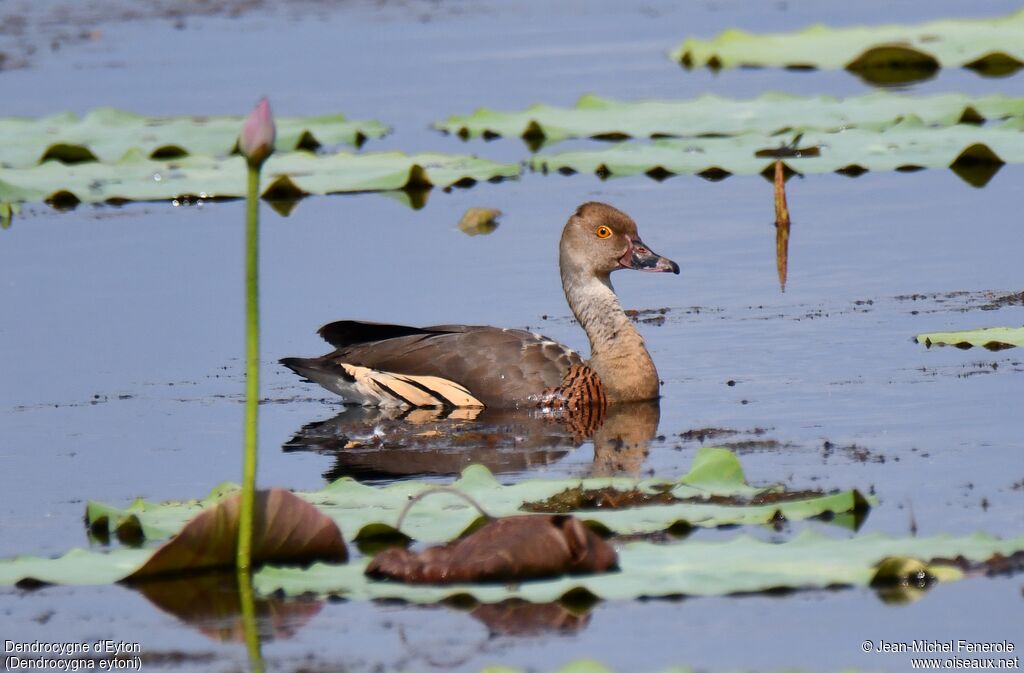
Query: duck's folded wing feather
{"type": "Point", "coordinates": [500, 367]}
{"type": "Point", "coordinates": [350, 332]}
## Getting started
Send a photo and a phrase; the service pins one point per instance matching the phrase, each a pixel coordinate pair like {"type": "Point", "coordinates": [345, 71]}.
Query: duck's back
{"type": "Point", "coordinates": [498, 367]}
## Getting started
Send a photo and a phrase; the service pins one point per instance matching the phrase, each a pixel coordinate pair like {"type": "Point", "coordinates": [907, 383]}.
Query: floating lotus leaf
{"type": "Point", "coordinates": [78, 566]}
{"type": "Point", "coordinates": [594, 117]}
{"type": "Point", "coordinates": [883, 54]}
{"type": "Point", "coordinates": [689, 568]}
{"type": "Point", "coordinates": [992, 338]}
{"type": "Point", "coordinates": [908, 145]}
{"type": "Point", "coordinates": [107, 135]}
{"type": "Point", "coordinates": [289, 175]}
{"type": "Point", "coordinates": [476, 221]}
{"type": "Point", "coordinates": [286, 529]}
{"type": "Point", "coordinates": [366, 511]}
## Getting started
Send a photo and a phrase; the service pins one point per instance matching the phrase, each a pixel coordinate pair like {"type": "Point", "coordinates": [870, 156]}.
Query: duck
{"type": "Point", "coordinates": [466, 366]}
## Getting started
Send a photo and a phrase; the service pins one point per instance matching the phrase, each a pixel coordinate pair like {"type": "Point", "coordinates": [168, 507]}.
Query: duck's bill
{"type": "Point", "coordinates": [642, 258]}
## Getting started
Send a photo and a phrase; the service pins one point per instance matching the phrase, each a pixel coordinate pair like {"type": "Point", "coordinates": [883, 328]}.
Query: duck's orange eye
{"type": "Point", "coordinates": [603, 232]}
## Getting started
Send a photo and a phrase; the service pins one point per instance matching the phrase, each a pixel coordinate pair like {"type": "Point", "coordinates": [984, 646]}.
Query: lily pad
{"type": "Point", "coordinates": [286, 529]}
{"type": "Point", "coordinates": [690, 568]}
{"type": "Point", "coordinates": [290, 175]}
{"type": "Point", "coordinates": [594, 117]}
{"type": "Point", "coordinates": [975, 152]}
{"type": "Point", "coordinates": [107, 135]}
{"type": "Point", "coordinates": [882, 54]}
{"type": "Point", "coordinates": [366, 511]}
{"type": "Point", "coordinates": [78, 566]}
{"type": "Point", "coordinates": [992, 338]}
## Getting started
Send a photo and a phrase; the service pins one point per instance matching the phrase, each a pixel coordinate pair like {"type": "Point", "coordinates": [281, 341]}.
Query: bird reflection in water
{"type": "Point", "coordinates": [372, 444]}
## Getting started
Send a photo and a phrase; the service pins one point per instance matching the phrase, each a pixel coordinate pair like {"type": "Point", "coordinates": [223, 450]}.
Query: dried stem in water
{"type": "Point", "coordinates": [781, 224]}
{"type": "Point", "coordinates": [440, 489]}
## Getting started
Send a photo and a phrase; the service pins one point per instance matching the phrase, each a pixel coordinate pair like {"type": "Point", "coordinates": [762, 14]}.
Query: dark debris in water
{"type": "Point", "coordinates": [707, 434]}
{"type": "Point", "coordinates": [749, 445]}
{"type": "Point", "coordinates": [648, 316]}
{"type": "Point", "coordinates": [580, 499]}
{"type": "Point", "coordinates": [1001, 301]}
{"type": "Point", "coordinates": [964, 300]}
{"type": "Point", "coordinates": [997, 564]}
{"type": "Point", "coordinates": [852, 451]}
{"type": "Point", "coordinates": [653, 316]}
{"type": "Point", "coordinates": [960, 301]}
{"type": "Point", "coordinates": [967, 370]}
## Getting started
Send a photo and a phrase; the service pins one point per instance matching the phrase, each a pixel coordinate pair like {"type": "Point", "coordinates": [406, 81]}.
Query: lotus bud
{"type": "Point", "coordinates": [257, 140]}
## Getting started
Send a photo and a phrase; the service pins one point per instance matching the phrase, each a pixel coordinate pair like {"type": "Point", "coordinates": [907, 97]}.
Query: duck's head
{"type": "Point", "coordinates": [599, 239]}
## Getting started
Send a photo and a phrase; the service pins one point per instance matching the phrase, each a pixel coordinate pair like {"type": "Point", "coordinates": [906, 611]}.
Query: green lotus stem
{"type": "Point", "coordinates": [252, 367]}
{"type": "Point", "coordinates": [255, 143]}
{"type": "Point", "coordinates": [249, 628]}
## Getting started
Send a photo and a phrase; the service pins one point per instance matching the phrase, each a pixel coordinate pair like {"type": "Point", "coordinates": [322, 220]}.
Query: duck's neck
{"type": "Point", "coordinates": [617, 351]}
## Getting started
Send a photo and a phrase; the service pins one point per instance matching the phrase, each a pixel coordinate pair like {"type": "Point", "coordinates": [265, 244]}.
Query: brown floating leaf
{"type": "Point", "coordinates": [479, 221]}
{"type": "Point", "coordinates": [286, 529]}
{"type": "Point", "coordinates": [503, 550]}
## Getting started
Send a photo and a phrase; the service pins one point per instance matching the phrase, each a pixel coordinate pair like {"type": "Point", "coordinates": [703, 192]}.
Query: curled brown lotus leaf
{"type": "Point", "coordinates": [503, 550]}
{"type": "Point", "coordinates": [286, 529]}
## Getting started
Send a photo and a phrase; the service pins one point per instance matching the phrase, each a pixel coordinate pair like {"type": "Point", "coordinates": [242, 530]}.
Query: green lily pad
{"type": "Point", "coordinates": [78, 566]}
{"type": "Point", "coordinates": [975, 152]}
{"type": "Point", "coordinates": [992, 338]}
{"type": "Point", "coordinates": [107, 135]}
{"type": "Point", "coordinates": [882, 54]}
{"type": "Point", "coordinates": [288, 175]}
{"type": "Point", "coordinates": [594, 117]}
{"type": "Point", "coordinates": [365, 511]}
{"type": "Point", "coordinates": [690, 568]}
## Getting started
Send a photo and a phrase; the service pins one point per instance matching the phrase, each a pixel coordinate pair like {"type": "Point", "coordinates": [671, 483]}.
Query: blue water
{"type": "Point", "coordinates": [121, 328]}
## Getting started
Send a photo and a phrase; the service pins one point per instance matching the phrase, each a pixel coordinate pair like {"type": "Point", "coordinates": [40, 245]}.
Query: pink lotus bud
{"type": "Point", "coordinates": [257, 140]}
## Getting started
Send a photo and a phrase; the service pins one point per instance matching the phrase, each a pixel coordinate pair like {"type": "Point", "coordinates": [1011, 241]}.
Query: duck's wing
{"type": "Point", "coordinates": [442, 365]}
